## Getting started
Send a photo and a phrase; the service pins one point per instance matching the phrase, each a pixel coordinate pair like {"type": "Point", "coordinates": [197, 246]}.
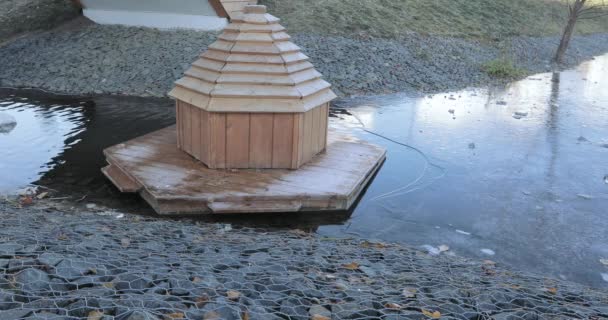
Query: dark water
{"type": "Point", "coordinates": [516, 175]}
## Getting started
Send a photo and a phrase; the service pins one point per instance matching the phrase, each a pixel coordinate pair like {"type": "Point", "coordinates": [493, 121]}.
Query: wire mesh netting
{"type": "Point", "coordinates": [59, 265]}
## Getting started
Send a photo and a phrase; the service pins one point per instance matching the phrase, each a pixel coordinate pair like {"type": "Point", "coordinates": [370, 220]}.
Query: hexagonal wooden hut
{"type": "Point", "coordinates": [252, 100]}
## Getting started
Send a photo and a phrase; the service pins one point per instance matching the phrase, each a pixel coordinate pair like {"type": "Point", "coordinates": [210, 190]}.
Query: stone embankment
{"type": "Point", "coordinates": [109, 265]}
{"type": "Point", "coordinates": [84, 58]}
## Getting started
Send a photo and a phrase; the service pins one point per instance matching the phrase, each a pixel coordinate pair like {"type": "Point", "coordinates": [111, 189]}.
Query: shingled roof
{"type": "Point", "coordinates": [253, 67]}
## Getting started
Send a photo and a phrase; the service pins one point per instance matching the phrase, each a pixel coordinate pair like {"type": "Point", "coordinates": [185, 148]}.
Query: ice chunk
{"type": "Point", "coordinates": [7, 123]}
{"type": "Point", "coordinates": [489, 252]}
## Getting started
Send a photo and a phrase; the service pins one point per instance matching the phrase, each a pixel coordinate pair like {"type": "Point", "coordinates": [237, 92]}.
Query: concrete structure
{"type": "Point", "coordinates": [164, 14]}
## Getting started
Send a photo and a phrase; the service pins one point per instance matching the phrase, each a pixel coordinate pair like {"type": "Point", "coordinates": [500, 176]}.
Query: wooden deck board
{"type": "Point", "coordinates": [173, 182]}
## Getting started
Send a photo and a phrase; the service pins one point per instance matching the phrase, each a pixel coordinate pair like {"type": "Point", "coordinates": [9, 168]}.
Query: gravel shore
{"type": "Point", "coordinates": [18, 16]}
{"type": "Point", "coordinates": [58, 264]}
{"type": "Point", "coordinates": [84, 58]}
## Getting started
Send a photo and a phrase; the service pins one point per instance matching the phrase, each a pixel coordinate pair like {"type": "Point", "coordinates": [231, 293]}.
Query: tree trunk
{"type": "Point", "coordinates": [565, 41]}
{"type": "Point", "coordinates": [573, 15]}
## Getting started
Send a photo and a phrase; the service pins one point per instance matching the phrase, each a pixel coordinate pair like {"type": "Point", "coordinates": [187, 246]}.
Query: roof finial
{"type": "Point", "coordinates": [255, 9]}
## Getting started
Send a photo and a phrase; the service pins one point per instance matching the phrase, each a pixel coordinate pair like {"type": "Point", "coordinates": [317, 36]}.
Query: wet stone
{"type": "Point", "coordinates": [9, 249]}
{"type": "Point", "coordinates": [14, 314]}
{"type": "Point", "coordinates": [140, 315]}
{"type": "Point", "coordinates": [50, 259]}
{"type": "Point", "coordinates": [319, 311]}
{"type": "Point", "coordinates": [33, 280]}
{"type": "Point", "coordinates": [72, 269]}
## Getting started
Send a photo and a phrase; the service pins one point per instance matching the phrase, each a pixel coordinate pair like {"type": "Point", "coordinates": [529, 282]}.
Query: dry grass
{"type": "Point", "coordinates": [462, 18]}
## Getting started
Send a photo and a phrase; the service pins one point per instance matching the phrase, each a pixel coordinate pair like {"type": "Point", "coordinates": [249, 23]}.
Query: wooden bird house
{"type": "Point", "coordinates": [252, 100]}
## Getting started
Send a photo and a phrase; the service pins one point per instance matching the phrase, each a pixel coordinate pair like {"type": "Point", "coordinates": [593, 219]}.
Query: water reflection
{"type": "Point", "coordinates": [31, 146]}
{"type": "Point", "coordinates": [517, 170]}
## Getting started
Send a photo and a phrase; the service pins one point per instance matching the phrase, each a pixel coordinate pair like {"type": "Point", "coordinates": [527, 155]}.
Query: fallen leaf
{"type": "Point", "coordinates": [26, 200]}
{"type": "Point", "coordinates": [604, 262]}
{"type": "Point", "coordinates": [377, 245]}
{"type": "Point", "coordinates": [175, 315]}
{"type": "Point", "coordinates": [245, 315]}
{"type": "Point", "coordinates": [488, 270]}
{"type": "Point", "coordinates": [108, 285]}
{"type": "Point", "coordinates": [201, 301]}
{"type": "Point", "coordinates": [233, 295]}
{"type": "Point", "coordinates": [95, 315]}
{"type": "Point", "coordinates": [443, 248]}
{"type": "Point", "coordinates": [394, 306]}
{"type": "Point", "coordinates": [552, 290]}
{"type": "Point", "coordinates": [211, 315]}
{"type": "Point", "coordinates": [409, 292]}
{"type": "Point", "coordinates": [351, 266]}
{"type": "Point", "coordinates": [319, 317]}
{"type": "Point", "coordinates": [434, 315]}
{"type": "Point", "coordinates": [42, 195]}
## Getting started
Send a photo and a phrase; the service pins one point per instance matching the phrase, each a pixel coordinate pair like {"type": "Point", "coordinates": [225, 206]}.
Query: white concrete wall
{"type": "Point", "coordinates": [162, 14]}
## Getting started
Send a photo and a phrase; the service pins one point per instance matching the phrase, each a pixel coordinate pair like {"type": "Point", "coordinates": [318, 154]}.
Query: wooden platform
{"type": "Point", "coordinates": [174, 183]}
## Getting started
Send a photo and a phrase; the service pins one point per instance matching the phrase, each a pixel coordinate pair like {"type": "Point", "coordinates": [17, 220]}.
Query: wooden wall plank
{"type": "Point", "coordinates": [316, 133]}
{"type": "Point", "coordinates": [298, 140]}
{"type": "Point", "coordinates": [237, 140]}
{"type": "Point", "coordinates": [205, 136]}
{"type": "Point", "coordinates": [261, 140]}
{"type": "Point", "coordinates": [217, 140]}
{"type": "Point", "coordinates": [324, 126]}
{"type": "Point", "coordinates": [187, 125]}
{"type": "Point", "coordinates": [307, 150]}
{"type": "Point", "coordinates": [195, 114]}
{"type": "Point", "coordinates": [179, 124]}
{"type": "Point", "coordinates": [282, 147]}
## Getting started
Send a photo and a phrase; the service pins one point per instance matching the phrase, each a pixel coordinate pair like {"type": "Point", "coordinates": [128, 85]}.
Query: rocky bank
{"type": "Point", "coordinates": [84, 58]}
{"type": "Point", "coordinates": [70, 264]}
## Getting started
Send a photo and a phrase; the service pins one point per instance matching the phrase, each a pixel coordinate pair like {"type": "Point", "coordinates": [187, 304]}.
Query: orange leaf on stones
{"type": "Point", "coordinates": [434, 314]}
{"type": "Point", "coordinates": [95, 315]}
{"type": "Point", "coordinates": [377, 245]}
{"type": "Point", "coordinates": [175, 316]}
{"type": "Point", "coordinates": [393, 306]}
{"type": "Point", "coordinates": [552, 290]}
{"type": "Point", "coordinates": [212, 315]}
{"type": "Point", "coordinates": [245, 315]}
{"type": "Point", "coordinates": [319, 317]}
{"type": "Point", "coordinates": [351, 266]}
{"type": "Point", "coordinates": [201, 301]}
{"type": "Point", "coordinates": [26, 200]}
{"type": "Point", "coordinates": [233, 295]}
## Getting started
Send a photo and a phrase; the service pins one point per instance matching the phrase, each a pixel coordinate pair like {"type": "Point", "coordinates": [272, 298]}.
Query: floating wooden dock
{"type": "Point", "coordinates": [175, 183]}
